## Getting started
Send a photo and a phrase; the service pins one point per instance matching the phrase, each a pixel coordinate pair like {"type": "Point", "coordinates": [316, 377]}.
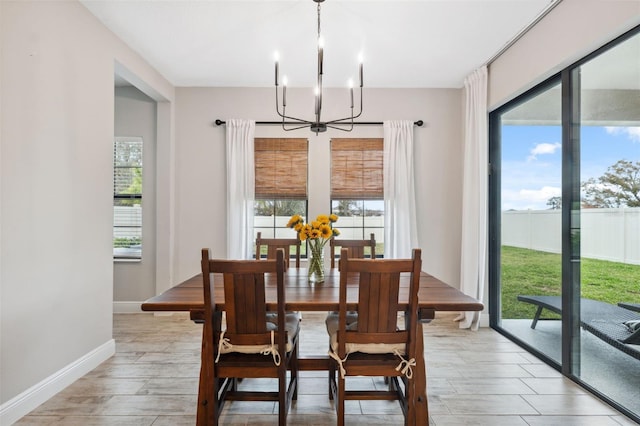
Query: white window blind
{"type": "Point", "coordinates": [127, 198]}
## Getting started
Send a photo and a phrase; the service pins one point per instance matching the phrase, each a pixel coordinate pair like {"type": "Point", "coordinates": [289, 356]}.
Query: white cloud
{"type": "Point", "coordinates": [543, 149]}
{"type": "Point", "coordinates": [529, 199]}
{"type": "Point", "coordinates": [632, 133]}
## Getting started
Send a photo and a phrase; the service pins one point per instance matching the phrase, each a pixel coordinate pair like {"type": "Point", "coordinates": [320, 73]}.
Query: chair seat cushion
{"type": "Point", "coordinates": [332, 323]}
{"type": "Point", "coordinates": [352, 316]}
{"type": "Point", "coordinates": [292, 326]}
{"type": "Point", "coordinates": [273, 316]}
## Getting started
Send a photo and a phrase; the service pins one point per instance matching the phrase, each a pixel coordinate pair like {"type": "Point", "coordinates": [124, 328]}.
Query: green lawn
{"type": "Point", "coordinates": [539, 273]}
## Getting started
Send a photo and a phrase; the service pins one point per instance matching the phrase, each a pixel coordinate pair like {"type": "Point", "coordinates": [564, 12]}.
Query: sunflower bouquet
{"type": "Point", "coordinates": [316, 233]}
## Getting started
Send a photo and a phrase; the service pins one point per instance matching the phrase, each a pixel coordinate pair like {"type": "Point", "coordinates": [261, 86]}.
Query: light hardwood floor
{"type": "Point", "coordinates": [473, 378]}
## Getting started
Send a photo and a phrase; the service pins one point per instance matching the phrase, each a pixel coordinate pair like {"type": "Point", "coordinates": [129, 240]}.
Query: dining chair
{"type": "Point", "coordinates": [356, 248]}
{"type": "Point", "coordinates": [376, 344]}
{"type": "Point", "coordinates": [273, 244]}
{"type": "Point", "coordinates": [253, 344]}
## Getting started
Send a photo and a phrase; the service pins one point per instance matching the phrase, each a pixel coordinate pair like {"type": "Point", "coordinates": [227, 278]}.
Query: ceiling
{"type": "Point", "coordinates": [231, 43]}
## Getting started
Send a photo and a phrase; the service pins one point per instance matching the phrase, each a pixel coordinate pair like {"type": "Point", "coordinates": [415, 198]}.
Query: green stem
{"type": "Point", "coordinates": [316, 262]}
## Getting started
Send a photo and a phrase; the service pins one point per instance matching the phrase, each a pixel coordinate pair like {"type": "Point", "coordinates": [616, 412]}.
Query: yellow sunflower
{"type": "Point", "coordinates": [325, 231]}
{"type": "Point", "coordinates": [319, 230]}
{"type": "Point", "coordinates": [323, 219]}
{"type": "Point", "coordinates": [294, 221]}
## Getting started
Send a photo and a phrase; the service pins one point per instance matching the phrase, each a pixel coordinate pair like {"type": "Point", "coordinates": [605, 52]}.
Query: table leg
{"type": "Point", "coordinates": [207, 387]}
{"type": "Point", "coordinates": [421, 410]}
{"type": "Point", "coordinates": [202, 417]}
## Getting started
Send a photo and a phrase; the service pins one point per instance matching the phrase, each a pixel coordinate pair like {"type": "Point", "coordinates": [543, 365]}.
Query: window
{"type": "Point", "coordinates": [281, 185]}
{"type": "Point", "coordinates": [127, 198]}
{"type": "Point", "coordinates": [357, 191]}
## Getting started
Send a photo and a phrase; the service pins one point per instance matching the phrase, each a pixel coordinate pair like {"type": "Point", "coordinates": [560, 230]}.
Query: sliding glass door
{"type": "Point", "coordinates": [608, 89]}
{"type": "Point", "coordinates": [530, 166]}
{"type": "Point", "coordinates": [565, 221]}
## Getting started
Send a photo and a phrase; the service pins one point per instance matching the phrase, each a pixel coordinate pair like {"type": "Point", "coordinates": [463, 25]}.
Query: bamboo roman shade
{"type": "Point", "coordinates": [356, 169]}
{"type": "Point", "coordinates": [281, 168]}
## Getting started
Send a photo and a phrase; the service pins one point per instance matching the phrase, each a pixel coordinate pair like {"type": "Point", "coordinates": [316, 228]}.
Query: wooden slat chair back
{"type": "Point", "coordinates": [356, 248]}
{"type": "Point", "coordinates": [254, 344]}
{"type": "Point", "coordinates": [273, 244]}
{"type": "Point", "coordinates": [375, 345]}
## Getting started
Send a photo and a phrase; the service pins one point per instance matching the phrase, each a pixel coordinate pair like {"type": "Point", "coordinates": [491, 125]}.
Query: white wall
{"type": "Point", "coordinates": [570, 31]}
{"type": "Point", "coordinates": [201, 175]}
{"type": "Point", "coordinates": [57, 128]}
{"type": "Point", "coordinates": [135, 115]}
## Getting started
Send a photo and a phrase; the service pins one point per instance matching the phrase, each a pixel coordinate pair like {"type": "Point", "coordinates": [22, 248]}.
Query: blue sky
{"type": "Point", "coordinates": [532, 160]}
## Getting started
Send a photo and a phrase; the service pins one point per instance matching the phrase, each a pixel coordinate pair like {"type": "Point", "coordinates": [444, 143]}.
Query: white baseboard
{"type": "Point", "coordinates": [484, 320]}
{"type": "Point", "coordinates": [127, 307]}
{"type": "Point", "coordinates": [19, 406]}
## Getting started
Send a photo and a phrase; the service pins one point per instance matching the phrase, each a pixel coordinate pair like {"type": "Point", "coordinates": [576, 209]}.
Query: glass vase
{"type": "Point", "coordinates": [316, 263]}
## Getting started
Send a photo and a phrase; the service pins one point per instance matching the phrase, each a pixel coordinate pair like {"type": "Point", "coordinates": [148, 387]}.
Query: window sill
{"type": "Point", "coordinates": [126, 260]}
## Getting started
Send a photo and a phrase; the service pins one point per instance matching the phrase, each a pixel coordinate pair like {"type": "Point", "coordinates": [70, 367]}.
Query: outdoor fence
{"type": "Point", "coordinates": [606, 234]}
{"type": "Point", "coordinates": [349, 227]}
{"type": "Point", "coordinates": [127, 222]}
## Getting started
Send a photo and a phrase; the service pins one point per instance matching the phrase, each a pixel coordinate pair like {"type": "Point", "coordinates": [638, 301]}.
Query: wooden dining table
{"type": "Point", "coordinates": [433, 295]}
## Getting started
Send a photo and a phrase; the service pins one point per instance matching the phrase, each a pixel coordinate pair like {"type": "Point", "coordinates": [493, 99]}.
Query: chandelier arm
{"type": "Point", "coordinates": [295, 128]}
{"type": "Point", "coordinates": [299, 120]}
{"type": "Point", "coordinates": [284, 116]}
{"type": "Point", "coordinates": [352, 117]}
{"type": "Point", "coordinates": [340, 128]}
{"type": "Point", "coordinates": [361, 96]}
{"type": "Point", "coordinates": [277, 104]}
{"type": "Point", "coordinates": [343, 121]}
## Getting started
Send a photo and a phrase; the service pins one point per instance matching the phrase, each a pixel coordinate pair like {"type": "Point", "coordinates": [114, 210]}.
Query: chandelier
{"type": "Point", "coordinates": [317, 125]}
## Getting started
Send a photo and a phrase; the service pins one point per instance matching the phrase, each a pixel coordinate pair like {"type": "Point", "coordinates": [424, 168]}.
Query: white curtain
{"type": "Point", "coordinates": [400, 232]}
{"type": "Point", "coordinates": [473, 260]}
{"type": "Point", "coordinates": [240, 188]}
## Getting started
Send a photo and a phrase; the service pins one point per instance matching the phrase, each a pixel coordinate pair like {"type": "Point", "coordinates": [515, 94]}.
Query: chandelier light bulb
{"type": "Point", "coordinates": [284, 91]}
{"type": "Point", "coordinates": [276, 57]}
{"type": "Point", "coordinates": [351, 91]}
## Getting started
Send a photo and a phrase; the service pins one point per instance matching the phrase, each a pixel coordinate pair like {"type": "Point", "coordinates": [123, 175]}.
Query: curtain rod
{"type": "Point", "coordinates": [552, 4]}
{"type": "Point", "coordinates": [418, 123]}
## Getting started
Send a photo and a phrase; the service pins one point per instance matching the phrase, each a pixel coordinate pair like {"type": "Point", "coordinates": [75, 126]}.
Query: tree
{"type": "Point", "coordinates": [278, 207]}
{"type": "Point", "coordinates": [555, 203]}
{"type": "Point", "coordinates": [346, 208]}
{"type": "Point", "coordinates": [135, 187]}
{"type": "Point", "coordinates": [618, 187]}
